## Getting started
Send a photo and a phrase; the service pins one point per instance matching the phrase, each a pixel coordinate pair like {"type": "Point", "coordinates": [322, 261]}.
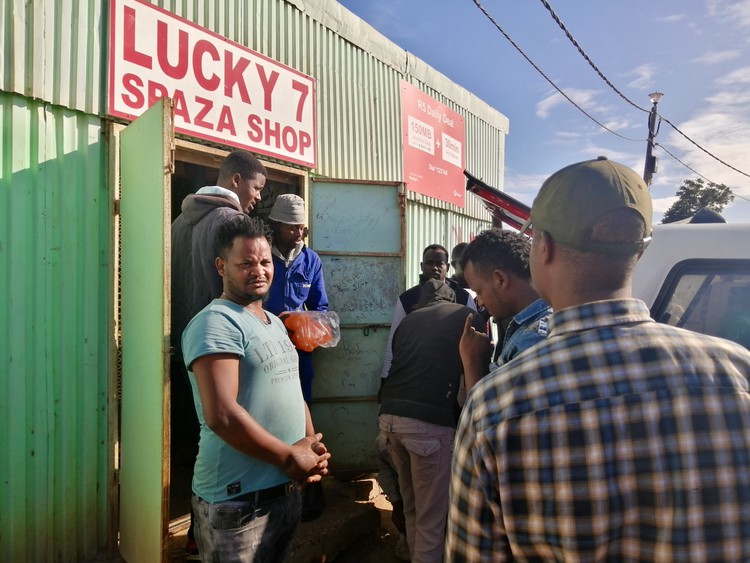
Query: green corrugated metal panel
{"type": "Point", "coordinates": [363, 280]}
{"type": "Point", "coordinates": [424, 225]}
{"type": "Point", "coordinates": [359, 117]}
{"type": "Point", "coordinates": [487, 152]}
{"type": "Point", "coordinates": [57, 48]}
{"type": "Point", "coordinates": [427, 224]}
{"type": "Point", "coordinates": [474, 207]}
{"type": "Point", "coordinates": [54, 260]}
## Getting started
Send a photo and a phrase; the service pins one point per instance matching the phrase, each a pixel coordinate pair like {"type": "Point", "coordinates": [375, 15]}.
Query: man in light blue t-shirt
{"type": "Point", "coordinates": [257, 439]}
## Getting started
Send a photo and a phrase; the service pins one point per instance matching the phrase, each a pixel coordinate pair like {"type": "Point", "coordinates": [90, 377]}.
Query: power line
{"type": "Point", "coordinates": [588, 60]}
{"type": "Point", "coordinates": [539, 70]}
{"type": "Point", "coordinates": [662, 147]}
{"type": "Point", "coordinates": [612, 86]}
{"type": "Point", "coordinates": [673, 126]}
{"type": "Point", "coordinates": [607, 81]}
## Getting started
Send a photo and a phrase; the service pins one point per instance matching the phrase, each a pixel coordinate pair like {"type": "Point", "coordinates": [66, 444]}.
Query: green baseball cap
{"type": "Point", "coordinates": [573, 199]}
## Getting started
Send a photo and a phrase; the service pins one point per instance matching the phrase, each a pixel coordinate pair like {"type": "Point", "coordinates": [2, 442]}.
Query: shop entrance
{"type": "Point", "coordinates": [152, 174]}
{"type": "Point", "coordinates": [197, 166]}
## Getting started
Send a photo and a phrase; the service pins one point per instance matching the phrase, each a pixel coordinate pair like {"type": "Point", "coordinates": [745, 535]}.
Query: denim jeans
{"type": "Point", "coordinates": [245, 532]}
{"type": "Point", "coordinates": [421, 453]}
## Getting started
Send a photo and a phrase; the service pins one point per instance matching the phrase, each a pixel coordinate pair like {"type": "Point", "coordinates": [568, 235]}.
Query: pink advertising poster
{"type": "Point", "coordinates": [434, 138]}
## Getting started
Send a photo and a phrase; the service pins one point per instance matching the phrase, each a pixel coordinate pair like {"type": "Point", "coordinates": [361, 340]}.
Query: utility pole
{"type": "Point", "coordinates": [649, 167]}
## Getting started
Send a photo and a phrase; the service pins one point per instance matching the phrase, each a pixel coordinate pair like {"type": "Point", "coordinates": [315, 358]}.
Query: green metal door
{"type": "Point", "coordinates": [357, 229]}
{"type": "Point", "coordinates": [145, 169]}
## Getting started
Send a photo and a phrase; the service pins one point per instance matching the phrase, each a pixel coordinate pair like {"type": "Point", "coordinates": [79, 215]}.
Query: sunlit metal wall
{"type": "Point", "coordinates": [54, 51]}
{"type": "Point", "coordinates": [54, 266]}
{"type": "Point", "coordinates": [55, 224]}
{"type": "Point", "coordinates": [357, 70]}
{"type": "Point", "coordinates": [431, 221]}
{"type": "Point", "coordinates": [358, 74]}
{"type": "Point", "coordinates": [485, 129]}
{"type": "Point", "coordinates": [427, 223]}
{"type": "Point", "coordinates": [358, 120]}
{"type": "Point", "coordinates": [358, 109]}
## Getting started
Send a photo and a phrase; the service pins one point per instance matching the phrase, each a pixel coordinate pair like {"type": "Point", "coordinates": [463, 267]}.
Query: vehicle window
{"type": "Point", "coordinates": [708, 296]}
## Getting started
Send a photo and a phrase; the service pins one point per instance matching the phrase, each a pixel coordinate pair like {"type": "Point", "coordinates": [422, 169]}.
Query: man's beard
{"type": "Point", "coordinates": [254, 298]}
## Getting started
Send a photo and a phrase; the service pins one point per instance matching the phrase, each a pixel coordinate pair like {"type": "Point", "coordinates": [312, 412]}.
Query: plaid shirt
{"type": "Point", "coordinates": [615, 439]}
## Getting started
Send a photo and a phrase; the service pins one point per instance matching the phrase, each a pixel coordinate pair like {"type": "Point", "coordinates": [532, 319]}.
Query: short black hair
{"type": "Point", "coordinates": [499, 249]}
{"type": "Point", "coordinates": [435, 247]}
{"type": "Point", "coordinates": [458, 251]}
{"type": "Point", "coordinates": [240, 225]}
{"type": "Point", "coordinates": [242, 162]}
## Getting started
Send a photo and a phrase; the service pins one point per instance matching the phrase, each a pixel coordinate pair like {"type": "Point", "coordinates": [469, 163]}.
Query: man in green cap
{"type": "Point", "coordinates": [616, 438]}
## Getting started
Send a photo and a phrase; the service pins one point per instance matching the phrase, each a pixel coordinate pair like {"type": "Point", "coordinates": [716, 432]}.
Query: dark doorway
{"type": "Point", "coordinates": [193, 170]}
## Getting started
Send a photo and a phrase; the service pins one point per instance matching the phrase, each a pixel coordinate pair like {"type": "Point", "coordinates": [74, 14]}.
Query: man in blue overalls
{"type": "Point", "coordinates": [297, 286]}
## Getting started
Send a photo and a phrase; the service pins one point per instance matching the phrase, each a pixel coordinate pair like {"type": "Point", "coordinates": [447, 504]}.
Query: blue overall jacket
{"type": "Point", "coordinates": [299, 287]}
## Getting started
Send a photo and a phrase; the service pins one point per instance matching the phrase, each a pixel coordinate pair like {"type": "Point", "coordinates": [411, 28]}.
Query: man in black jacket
{"type": "Point", "coordinates": [418, 412]}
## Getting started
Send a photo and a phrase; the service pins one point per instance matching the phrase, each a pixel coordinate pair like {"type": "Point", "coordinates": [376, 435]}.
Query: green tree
{"type": "Point", "coordinates": [694, 195]}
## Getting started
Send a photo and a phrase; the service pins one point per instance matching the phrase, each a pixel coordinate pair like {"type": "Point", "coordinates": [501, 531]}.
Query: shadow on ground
{"type": "Point", "coordinates": [355, 527]}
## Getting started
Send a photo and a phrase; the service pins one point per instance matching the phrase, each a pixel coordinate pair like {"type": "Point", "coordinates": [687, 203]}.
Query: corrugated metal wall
{"type": "Point", "coordinates": [485, 141]}
{"type": "Point", "coordinates": [55, 51]}
{"type": "Point", "coordinates": [428, 224]}
{"type": "Point", "coordinates": [358, 74]}
{"type": "Point", "coordinates": [54, 267]}
{"type": "Point", "coordinates": [55, 226]}
{"type": "Point", "coordinates": [357, 71]}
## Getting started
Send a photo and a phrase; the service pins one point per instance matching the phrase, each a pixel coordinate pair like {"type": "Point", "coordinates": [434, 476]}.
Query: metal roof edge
{"type": "Point", "coordinates": [351, 27]}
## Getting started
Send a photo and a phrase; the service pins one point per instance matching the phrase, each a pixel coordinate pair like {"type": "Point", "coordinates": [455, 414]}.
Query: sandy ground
{"type": "Point", "coordinates": [346, 501]}
{"type": "Point", "coordinates": [375, 548]}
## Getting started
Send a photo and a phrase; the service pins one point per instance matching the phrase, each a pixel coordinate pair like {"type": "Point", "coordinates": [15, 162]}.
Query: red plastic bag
{"type": "Point", "coordinates": [310, 329]}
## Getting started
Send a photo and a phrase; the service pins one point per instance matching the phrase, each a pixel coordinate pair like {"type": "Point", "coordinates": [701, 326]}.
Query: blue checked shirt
{"type": "Point", "coordinates": [615, 439]}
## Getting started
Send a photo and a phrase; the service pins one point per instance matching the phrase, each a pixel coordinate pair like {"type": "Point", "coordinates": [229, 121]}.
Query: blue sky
{"type": "Point", "coordinates": [697, 52]}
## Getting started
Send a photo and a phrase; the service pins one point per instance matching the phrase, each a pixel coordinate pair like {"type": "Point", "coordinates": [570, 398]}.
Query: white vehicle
{"type": "Point", "coordinates": [697, 276]}
{"type": "Point", "coordinates": [694, 275]}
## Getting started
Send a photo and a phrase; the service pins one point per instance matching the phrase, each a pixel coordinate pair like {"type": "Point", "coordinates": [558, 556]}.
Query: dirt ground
{"type": "Point", "coordinates": [376, 548]}
{"type": "Point", "coordinates": [344, 501]}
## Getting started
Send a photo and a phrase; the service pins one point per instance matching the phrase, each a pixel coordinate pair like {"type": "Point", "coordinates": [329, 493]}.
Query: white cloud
{"type": "Point", "coordinates": [720, 124]}
{"type": "Point", "coordinates": [727, 98]}
{"type": "Point", "coordinates": [736, 12]}
{"type": "Point", "coordinates": [619, 124]}
{"type": "Point", "coordinates": [544, 107]}
{"type": "Point", "coordinates": [714, 57]}
{"type": "Point", "coordinates": [568, 135]}
{"type": "Point", "coordinates": [673, 18]}
{"type": "Point", "coordinates": [738, 77]}
{"type": "Point", "coordinates": [660, 205]}
{"type": "Point", "coordinates": [723, 132]}
{"type": "Point", "coordinates": [644, 76]}
{"type": "Point", "coordinates": [584, 98]}
{"type": "Point", "coordinates": [523, 187]}
{"type": "Point", "coordinates": [590, 150]}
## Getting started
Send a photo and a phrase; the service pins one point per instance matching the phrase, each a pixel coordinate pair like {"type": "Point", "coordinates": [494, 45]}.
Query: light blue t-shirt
{"type": "Point", "coordinates": [269, 389]}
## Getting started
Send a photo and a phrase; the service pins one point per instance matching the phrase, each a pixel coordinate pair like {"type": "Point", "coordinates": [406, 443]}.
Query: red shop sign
{"type": "Point", "coordinates": [222, 91]}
